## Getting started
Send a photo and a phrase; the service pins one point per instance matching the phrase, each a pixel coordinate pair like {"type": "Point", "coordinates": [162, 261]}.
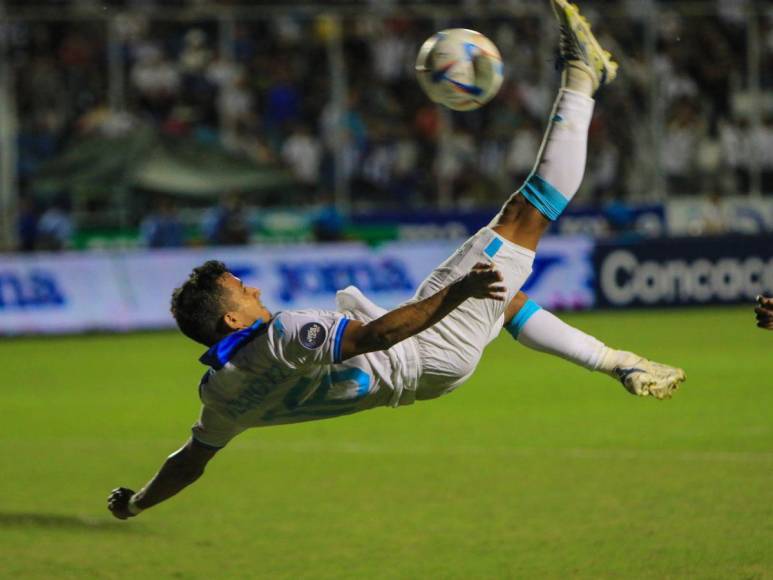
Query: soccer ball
{"type": "Point", "coordinates": [459, 68]}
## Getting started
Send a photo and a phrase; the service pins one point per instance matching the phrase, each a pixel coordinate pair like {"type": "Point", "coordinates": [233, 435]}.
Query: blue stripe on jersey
{"type": "Point", "coordinates": [493, 247]}
{"type": "Point", "coordinates": [357, 375]}
{"type": "Point", "coordinates": [337, 341]}
{"type": "Point", "coordinates": [223, 351]}
{"type": "Point", "coordinates": [354, 375]}
{"type": "Point", "coordinates": [519, 320]}
{"type": "Point", "coordinates": [547, 199]}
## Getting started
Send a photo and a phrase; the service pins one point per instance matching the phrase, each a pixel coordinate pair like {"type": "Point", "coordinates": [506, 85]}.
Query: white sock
{"type": "Point", "coordinates": [560, 164]}
{"type": "Point", "coordinates": [544, 332]}
{"type": "Point", "coordinates": [576, 78]}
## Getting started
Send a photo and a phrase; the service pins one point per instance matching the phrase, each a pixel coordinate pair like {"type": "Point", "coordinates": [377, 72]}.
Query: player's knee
{"type": "Point", "coordinates": [520, 222]}
{"type": "Point", "coordinates": [515, 305]}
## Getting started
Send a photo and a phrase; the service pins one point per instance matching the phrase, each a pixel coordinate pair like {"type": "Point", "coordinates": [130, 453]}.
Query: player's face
{"type": "Point", "coordinates": [244, 302]}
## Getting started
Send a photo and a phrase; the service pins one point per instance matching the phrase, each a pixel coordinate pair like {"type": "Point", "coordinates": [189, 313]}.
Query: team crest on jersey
{"type": "Point", "coordinates": [313, 335]}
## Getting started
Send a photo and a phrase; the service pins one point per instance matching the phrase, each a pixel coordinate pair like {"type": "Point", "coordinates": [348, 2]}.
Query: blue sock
{"type": "Point", "coordinates": [528, 310]}
{"type": "Point", "coordinates": [547, 199]}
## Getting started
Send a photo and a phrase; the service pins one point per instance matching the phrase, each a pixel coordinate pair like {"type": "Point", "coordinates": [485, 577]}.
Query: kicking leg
{"type": "Point", "coordinates": [561, 161]}
{"type": "Point", "coordinates": [555, 180]}
{"type": "Point", "coordinates": [451, 349]}
{"type": "Point", "coordinates": [540, 330]}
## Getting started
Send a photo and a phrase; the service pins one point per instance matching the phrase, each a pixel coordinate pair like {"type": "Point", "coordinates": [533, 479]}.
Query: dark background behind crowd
{"type": "Point", "coordinates": [262, 88]}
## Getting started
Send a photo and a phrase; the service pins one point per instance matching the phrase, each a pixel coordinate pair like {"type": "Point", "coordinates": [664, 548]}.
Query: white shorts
{"type": "Point", "coordinates": [451, 349]}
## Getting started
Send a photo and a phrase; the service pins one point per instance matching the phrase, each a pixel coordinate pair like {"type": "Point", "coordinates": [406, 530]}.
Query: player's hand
{"type": "Point", "coordinates": [483, 281]}
{"type": "Point", "coordinates": [118, 503]}
{"type": "Point", "coordinates": [764, 311]}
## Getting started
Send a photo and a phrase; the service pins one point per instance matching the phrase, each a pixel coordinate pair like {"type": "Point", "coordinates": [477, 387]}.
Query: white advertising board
{"type": "Point", "coordinates": [129, 290]}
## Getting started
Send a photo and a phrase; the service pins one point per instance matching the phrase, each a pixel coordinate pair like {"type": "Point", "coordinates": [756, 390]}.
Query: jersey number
{"type": "Point", "coordinates": [355, 381]}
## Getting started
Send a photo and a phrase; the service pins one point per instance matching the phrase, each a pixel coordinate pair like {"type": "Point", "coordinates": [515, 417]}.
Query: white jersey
{"type": "Point", "coordinates": [289, 370]}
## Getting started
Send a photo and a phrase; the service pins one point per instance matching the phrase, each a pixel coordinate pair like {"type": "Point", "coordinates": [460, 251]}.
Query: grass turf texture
{"type": "Point", "coordinates": [534, 469]}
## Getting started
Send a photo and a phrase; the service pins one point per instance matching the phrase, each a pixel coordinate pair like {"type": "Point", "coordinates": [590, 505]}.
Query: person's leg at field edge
{"type": "Point", "coordinates": [560, 165]}
{"type": "Point", "coordinates": [538, 329]}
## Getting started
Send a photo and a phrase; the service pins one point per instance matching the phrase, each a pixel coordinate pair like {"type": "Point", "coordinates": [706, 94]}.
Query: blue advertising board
{"type": "Point", "coordinates": [683, 271]}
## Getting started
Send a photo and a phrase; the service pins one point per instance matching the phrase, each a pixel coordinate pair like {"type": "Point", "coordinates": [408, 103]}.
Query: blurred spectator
{"type": "Point", "coordinates": [162, 228]}
{"type": "Point", "coordinates": [345, 130]}
{"type": "Point", "coordinates": [522, 152]}
{"type": "Point", "coordinates": [37, 141]}
{"type": "Point", "coordinates": [762, 145]}
{"type": "Point", "coordinates": [226, 224]}
{"type": "Point", "coordinates": [392, 49]}
{"type": "Point", "coordinates": [282, 103]}
{"type": "Point", "coordinates": [303, 153]}
{"type": "Point", "coordinates": [603, 168]}
{"type": "Point", "coordinates": [196, 55]}
{"type": "Point", "coordinates": [199, 94]}
{"type": "Point", "coordinates": [712, 218]}
{"type": "Point", "coordinates": [157, 81]}
{"type": "Point", "coordinates": [709, 163]}
{"type": "Point", "coordinates": [680, 145]}
{"type": "Point", "coordinates": [328, 224]}
{"type": "Point", "coordinates": [55, 228]}
{"type": "Point", "coordinates": [736, 151]}
{"type": "Point", "coordinates": [458, 154]}
{"type": "Point", "coordinates": [27, 224]}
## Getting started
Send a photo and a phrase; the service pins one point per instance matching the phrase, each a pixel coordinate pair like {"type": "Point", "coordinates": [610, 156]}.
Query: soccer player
{"type": "Point", "coordinates": [764, 311]}
{"type": "Point", "coordinates": [304, 365]}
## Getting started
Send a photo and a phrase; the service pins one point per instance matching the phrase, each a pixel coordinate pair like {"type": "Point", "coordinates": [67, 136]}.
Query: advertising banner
{"type": "Point", "coordinates": [126, 290]}
{"type": "Point", "coordinates": [684, 271]}
{"type": "Point", "coordinates": [61, 293]}
{"type": "Point", "coordinates": [562, 275]}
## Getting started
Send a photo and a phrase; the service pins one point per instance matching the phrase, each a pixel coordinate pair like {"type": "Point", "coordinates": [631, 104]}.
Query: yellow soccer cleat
{"type": "Point", "coordinates": [579, 47]}
{"type": "Point", "coordinates": [645, 378]}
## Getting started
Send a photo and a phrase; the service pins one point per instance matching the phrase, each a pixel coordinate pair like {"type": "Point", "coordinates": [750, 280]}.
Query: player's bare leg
{"type": "Point", "coordinates": [561, 161]}
{"type": "Point", "coordinates": [540, 330]}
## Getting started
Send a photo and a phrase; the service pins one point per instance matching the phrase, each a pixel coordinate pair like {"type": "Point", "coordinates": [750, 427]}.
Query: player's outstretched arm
{"type": "Point", "coordinates": [180, 470]}
{"type": "Point", "coordinates": [764, 312]}
{"type": "Point", "coordinates": [483, 281]}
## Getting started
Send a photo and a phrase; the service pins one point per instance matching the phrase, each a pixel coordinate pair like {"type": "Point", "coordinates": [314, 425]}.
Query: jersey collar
{"type": "Point", "coordinates": [223, 351]}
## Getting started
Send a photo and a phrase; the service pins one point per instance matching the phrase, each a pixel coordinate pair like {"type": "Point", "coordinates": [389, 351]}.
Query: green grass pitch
{"type": "Point", "coordinates": [534, 469]}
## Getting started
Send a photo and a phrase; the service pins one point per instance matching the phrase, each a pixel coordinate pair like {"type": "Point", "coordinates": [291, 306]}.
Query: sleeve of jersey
{"type": "Point", "coordinates": [309, 337]}
{"type": "Point", "coordinates": [214, 431]}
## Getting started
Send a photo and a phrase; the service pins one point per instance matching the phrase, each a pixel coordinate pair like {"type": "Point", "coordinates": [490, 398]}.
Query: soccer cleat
{"type": "Point", "coordinates": [579, 47]}
{"type": "Point", "coordinates": [645, 378]}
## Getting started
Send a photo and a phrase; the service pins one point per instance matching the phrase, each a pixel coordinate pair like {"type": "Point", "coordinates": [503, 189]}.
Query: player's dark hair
{"type": "Point", "coordinates": [199, 304]}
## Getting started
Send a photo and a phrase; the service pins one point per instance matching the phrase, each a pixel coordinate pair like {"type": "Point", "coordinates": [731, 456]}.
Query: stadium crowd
{"type": "Point", "coordinates": [267, 96]}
